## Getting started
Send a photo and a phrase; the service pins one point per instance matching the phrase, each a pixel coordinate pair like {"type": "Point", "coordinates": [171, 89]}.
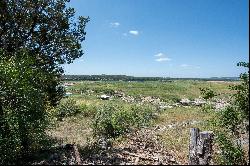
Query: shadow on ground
{"type": "Point", "coordinates": [54, 152]}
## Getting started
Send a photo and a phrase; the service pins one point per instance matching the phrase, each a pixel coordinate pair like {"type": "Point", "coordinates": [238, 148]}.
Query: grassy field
{"type": "Point", "coordinates": [166, 91]}
{"type": "Point", "coordinates": [173, 123]}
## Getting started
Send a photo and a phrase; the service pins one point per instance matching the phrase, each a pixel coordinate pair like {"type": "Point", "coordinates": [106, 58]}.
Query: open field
{"type": "Point", "coordinates": [170, 124]}
{"type": "Point", "coordinates": [166, 91]}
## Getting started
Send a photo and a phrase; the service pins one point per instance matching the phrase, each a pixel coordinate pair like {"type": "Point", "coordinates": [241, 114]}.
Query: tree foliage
{"type": "Point", "coordinates": [207, 93]}
{"type": "Point", "coordinates": [36, 37]}
{"type": "Point", "coordinates": [234, 116]}
{"type": "Point", "coordinates": [23, 106]}
{"type": "Point", "coordinates": [47, 29]}
{"type": "Point", "coordinates": [233, 121]}
{"type": "Point", "coordinates": [241, 98]}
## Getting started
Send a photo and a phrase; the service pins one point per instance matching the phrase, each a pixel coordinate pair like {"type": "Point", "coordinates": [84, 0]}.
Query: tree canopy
{"type": "Point", "coordinates": [47, 30]}
{"type": "Point", "coordinates": [36, 38]}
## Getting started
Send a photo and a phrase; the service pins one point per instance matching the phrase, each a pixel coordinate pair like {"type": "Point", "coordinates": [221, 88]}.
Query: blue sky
{"type": "Point", "coordinates": [167, 38]}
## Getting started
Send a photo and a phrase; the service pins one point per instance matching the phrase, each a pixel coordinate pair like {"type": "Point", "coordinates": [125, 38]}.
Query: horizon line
{"type": "Point", "coordinates": [150, 76]}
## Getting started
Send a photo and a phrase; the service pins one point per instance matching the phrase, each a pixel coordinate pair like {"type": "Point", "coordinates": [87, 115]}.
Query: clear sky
{"type": "Point", "coordinates": [167, 38]}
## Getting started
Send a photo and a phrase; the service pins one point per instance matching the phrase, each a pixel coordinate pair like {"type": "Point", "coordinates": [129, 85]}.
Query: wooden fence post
{"type": "Point", "coordinates": [200, 147]}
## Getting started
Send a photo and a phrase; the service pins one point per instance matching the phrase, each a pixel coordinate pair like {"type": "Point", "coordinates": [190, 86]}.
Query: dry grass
{"type": "Point", "coordinates": [72, 130]}
{"type": "Point", "coordinates": [176, 139]}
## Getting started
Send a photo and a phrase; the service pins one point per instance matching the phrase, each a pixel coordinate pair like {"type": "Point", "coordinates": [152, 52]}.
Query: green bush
{"type": "Point", "coordinates": [171, 98]}
{"type": "Point", "coordinates": [231, 153]}
{"type": "Point", "coordinates": [113, 120]}
{"type": "Point", "coordinates": [103, 123]}
{"type": "Point", "coordinates": [24, 107]}
{"type": "Point", "coordinates": [109, 91]}
{"type": "Point", "coordinates": [142, 115]}
{"type": "Point", "coordinates": [229, 118]}
{"type": "Point", "coordinates": [67, 107]}
{"type": "Point", "coordinates": [208, 107]}
{"type": "Point", "coordinates": [88, 111]}
{"type": "Point", "coordinates": [230, 121]}
{"type": "Point", "coordinates": [234, 116]}
{"type": "Point", "coordinates": [241, 97]}
{"type": "Point", "coordinates": [207, 93]}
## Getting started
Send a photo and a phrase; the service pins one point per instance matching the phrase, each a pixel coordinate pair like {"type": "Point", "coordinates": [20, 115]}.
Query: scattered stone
{"type": "Point", "coordinates": [170, 126]}
{"type": "Point", "coordinates": [128, 99]}
{"type": "Point", "coordinates": [119, 94]}
{"type": "Point", "coordinates": [176, 105]}
{"type": "Point", "coordinates": [165, 106]}
{"type": "Point", "coordinates": [137, 160]}
{"type": "Point", "coordinates": [194, 122]}
{"type": "Point", "coordinates": [221, 105]}
{"type": "Point", "coordinates": [185, 102]}
{"type": "Point", "coordinates": [105, 97]}
{"type": "Point", "coordinates": [198, 102]}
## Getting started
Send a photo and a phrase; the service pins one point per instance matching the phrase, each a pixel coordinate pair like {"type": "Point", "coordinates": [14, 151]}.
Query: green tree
{"type": "Point", "coordinates": [23, 106]}
{"type": "Point", "coordinates": [36, 38]}
{"type": "Point", "coordinates": [48, 30]}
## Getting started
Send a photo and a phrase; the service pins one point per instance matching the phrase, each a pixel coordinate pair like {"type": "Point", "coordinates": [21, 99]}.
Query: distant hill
{"type": "Point", "coordinates": [104, 77]}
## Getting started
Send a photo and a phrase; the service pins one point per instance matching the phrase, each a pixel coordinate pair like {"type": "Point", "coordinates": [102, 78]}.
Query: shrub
{"type": "Point", "coordinates": [102, 124]}
{"type": "Point", "coordinates": [172, 98]}
{"type": "Point", "coordinates": [113, 120]}
{"type": "Point", "coordinates": [232, 118]}
{"type": "Point", "coordinates": [109, 91]}
{"type": "Point", "coordinates": [67, 107]}
{"type": "Point", "coordinates": [229, 118]}
{"type": "Point", "coordinates": [24, 107]}
{"type": "Point", "coordinates": [142, 115]}
{"type": "Point", "coordinates": [88, 111]}
{"type": "Point", "coordinates": [241, 97]}
{"type": "Point", "coordinates": [231, 153]}
{"type": "Point", "coordinates": [230, 121]}
{"type": "Point", "coordinates": [207, 93]}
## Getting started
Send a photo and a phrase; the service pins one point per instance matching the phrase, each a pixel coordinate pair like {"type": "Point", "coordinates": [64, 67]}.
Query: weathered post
{"type": "Point", "coordinates": [194, 135]}
{"type": "Point", "coordinates": [200, 147]}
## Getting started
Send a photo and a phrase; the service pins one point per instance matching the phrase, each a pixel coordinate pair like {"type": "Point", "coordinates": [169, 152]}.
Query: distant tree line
{"type": "Point", "coordinates": [132, 78]}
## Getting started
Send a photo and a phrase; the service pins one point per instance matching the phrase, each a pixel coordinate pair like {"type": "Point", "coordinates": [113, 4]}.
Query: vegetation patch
{"type": "Point", "coordinates": [113, 120]}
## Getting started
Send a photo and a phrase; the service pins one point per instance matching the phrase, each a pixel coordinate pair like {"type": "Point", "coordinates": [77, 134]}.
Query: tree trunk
{"type": "Point", "coordinates": [200, 147]}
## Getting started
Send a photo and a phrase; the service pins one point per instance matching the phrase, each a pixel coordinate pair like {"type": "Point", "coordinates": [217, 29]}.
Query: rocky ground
{"type": "Point", "coordinates": [138, 147]}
